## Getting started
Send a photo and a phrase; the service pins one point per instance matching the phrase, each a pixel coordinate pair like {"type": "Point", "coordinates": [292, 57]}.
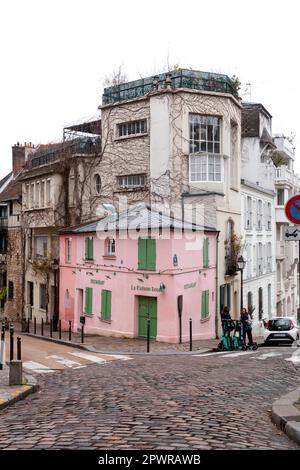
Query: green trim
{"type": "Point", "coordinates": [89, 300]}
{"type": "Point", "coordinates": [147, 254]}
{"type": "Point", "coordinates": [205, 305]}
{"type": "Point", "coordinates": [105, 304]}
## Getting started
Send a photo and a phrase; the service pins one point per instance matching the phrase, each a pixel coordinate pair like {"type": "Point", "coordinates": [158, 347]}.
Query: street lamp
{"type": "Point", "coordinates": [241, 264]}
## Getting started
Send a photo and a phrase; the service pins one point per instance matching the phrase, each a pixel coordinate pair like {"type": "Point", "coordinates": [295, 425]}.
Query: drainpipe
{"type": "Point", "coordinates": [217, 291]}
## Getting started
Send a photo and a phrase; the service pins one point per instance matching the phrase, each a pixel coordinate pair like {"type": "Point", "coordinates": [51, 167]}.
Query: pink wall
{"type": "Point", "coordinates": [120, 275]}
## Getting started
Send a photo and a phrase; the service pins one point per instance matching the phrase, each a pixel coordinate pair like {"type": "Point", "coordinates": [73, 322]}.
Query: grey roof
{"type": "Point", "coordinates": [142, 217]}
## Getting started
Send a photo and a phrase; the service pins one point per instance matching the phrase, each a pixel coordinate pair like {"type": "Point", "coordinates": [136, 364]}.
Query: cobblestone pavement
{"type": "Point", "coordinates": [173, 402]}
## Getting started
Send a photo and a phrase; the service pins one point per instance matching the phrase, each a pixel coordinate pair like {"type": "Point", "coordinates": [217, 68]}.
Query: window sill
{"type": "Point", "coordinates": [133, 136]}
{"type": "Point", "coordinates": [89, 315]}
{"type": "Point", "coordinates": [105, 321]}
{"type": "Point", "coordinates": [110, 257]}
{"type": "Point", "coordinates": [91, 261]}
{"type": "Point", "coordinates": [204, 320]}
{"type": "Point", "coordinates": [133, 188]}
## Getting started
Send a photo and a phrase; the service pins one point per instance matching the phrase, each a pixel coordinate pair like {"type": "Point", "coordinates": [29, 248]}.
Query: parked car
{"type": "Point", "coordinates": [281, 330]}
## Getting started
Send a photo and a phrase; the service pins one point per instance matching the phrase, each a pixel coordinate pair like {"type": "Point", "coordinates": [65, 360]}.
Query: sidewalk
{"type": "Point", "coordinates": [9, 395]}
{"type": "Point", "coordinates": [106, 344]}
{"type": "Point", "coordinates": [286, 414]}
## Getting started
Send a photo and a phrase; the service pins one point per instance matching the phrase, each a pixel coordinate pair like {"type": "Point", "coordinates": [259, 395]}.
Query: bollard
{"type": "Point", "coordinates": [34, 325]}
{"type": "Point", "coordinates": [82, 334]}
{"type": "Point", "coordinates": [191, 335]}
{"type": "Point", "coordinates": [42, 327]}
{"type": "Point", "coordinates": [2, 347]}
{"type": "Point", "coordinates": [11, 330]}
{"type": "Point", "coordinates": [19, 351]}
{"type": "Point", "coordinates": [28, 325]}
{"type": "Point", "coordinates": [51, 328]}
{"type": "Point", "coordinates": [148, 335]}
{"type": "Point", "coordinates": [59, 329]}
{"type": "Point", "coordinates": [15, 373]}
{"type": "Point", "coordinates": [70, 330]}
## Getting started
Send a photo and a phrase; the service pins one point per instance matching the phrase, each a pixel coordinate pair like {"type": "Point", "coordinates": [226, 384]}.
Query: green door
{"type": "Point", "coordinates": [148, 309]}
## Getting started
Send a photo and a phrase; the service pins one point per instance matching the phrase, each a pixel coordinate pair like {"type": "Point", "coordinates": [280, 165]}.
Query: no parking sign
{"type": "Point", "coordinates": [292, 209]}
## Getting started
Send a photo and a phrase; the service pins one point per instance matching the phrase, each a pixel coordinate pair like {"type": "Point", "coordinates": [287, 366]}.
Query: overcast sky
{"type": "Point", "coordinates": [55, 55]}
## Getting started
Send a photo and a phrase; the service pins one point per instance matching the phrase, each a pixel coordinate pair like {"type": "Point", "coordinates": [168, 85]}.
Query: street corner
{"type": "Point", "coordinates": [286, 414]}
{"type": "Point", "coordinates": [11, 394]}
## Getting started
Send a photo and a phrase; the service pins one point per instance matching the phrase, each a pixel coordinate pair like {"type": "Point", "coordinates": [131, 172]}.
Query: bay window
{"type": "Point", "coordinates": [206, 163]}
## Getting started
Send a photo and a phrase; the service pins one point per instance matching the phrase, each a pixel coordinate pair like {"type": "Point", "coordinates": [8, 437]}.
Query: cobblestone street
{"type": "Point", "coordinates": [186, 402]}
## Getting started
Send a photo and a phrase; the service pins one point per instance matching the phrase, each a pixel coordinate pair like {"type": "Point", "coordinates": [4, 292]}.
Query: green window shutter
{"type": "Point", "coordinates": [207, 303]}
{"type": "Point", "coordinates": [89, 251]}
{"type": "Point", "coordinates": [205, 253]}
{"type": "Point", "coordinates": [202, 305]}
{"type": "Point", "coordinates": [142, 257]}
{"type": "Point", "coordinates": [108, 305]}
{"type": "Point", "coordinates": [86, 248]}
{"type": "Point", "coordinates": [89, 300]}
{"type": "Point", "coordinates": [105, 304]}
{"type": "Point", "coordinates": [151, 254]}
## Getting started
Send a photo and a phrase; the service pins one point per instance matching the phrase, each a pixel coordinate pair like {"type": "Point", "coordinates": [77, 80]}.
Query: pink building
{"type": "Point", "coordinates": [126, 268]}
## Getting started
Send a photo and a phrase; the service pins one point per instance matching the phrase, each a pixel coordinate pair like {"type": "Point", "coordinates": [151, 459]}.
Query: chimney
{"type": "Point", "coordinates": [20, 156]}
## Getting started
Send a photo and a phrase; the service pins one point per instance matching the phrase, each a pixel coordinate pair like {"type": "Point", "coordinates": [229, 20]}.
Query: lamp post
{"type": "Point", "coordinates": [241, 264]}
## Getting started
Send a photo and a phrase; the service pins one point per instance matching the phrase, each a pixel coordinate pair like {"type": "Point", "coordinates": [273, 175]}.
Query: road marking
{"type": "Point", "coordinates": [64, 361]}
{"type": "Point", "coordinates": [267, 355]}
{"type": "Point", "coordinates": [89, 357]}
{"type": "Point", "coordinates": [37, 367]}
{"type": "Point", "coordinates": [295, 357]}
{"type": "Point", "coordinates": [120, 356]}
{"type": "Point", "coordinates": [211, 354]}
{"type": "Point", "coordinates": [241, 353]}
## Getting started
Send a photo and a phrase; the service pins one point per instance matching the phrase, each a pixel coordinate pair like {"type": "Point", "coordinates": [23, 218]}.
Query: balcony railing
{"type": "Point", "coordinates": [81, 145]}
{"type": "Point", "coordinates": [182, 78]}
{"type": "Point", "coordinates": [283, 174]}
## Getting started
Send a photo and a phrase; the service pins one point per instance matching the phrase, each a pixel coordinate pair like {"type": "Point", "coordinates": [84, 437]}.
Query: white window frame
{"type": "Point", "coordinates": [124, 181]}
{"type": "Point", "coordinates": [204, 120]}
{"type": "Point", "coordinates": [40, 241]}
{"type": "Point", "coordinates": [125, 130]}
{"type": "Point", "coordinates": [111, 247]}
{"type": "Point", "coordinates": [206, 156]}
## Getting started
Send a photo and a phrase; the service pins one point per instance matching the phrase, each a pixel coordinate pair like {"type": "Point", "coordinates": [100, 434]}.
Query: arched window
{"type": "Point", "coordinates": [97, 179]}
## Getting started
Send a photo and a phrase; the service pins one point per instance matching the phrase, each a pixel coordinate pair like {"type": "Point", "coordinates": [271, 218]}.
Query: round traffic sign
{"type": "Point", "coordinates": [292, 209]}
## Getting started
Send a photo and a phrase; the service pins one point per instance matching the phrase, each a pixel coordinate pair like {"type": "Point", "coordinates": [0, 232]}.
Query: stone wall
{"type": "Point", "coordinates": [13, 307]}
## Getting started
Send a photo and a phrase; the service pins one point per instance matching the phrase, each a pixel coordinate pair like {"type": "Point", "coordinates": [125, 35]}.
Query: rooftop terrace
{"type": "Point", "coordinates": [181, 78]}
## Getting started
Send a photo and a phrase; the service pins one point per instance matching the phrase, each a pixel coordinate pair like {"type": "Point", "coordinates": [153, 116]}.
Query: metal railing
{"type": "Point", "coordinates": [182, 78]}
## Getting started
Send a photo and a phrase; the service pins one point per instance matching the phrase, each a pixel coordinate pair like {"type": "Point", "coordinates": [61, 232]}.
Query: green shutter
{"type": "Point", "coordinates": [202, 304]}
{"type": "Point", "coordinates": [142, 258]}
{"type": "Point", "coordinates": [205, 253]}
{"type": "Point", "coordinates": [89, 300]}
{"type": "Point", "coordinates": [108, 305]}
{"type": "Point", "coordinates": [86, 248]}
{"type": "Point", "coordinates": [89, 251]}
{"type": "Point", "coordinates": [151, 254]}
{"type": "Point", "coordinates": [205, 305]}
{"type": "Point", "coordinates": [105, 304]}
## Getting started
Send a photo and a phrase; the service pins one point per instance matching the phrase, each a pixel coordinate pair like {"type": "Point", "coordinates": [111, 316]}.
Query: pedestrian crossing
{"type": "Point", "coordinates": [70, 360]}
{"type": "Point", "coordinates": [292, 355]}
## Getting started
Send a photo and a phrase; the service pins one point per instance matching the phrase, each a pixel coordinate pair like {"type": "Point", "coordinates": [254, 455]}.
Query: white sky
{"type": "Point", "coordinates": [55, 54]}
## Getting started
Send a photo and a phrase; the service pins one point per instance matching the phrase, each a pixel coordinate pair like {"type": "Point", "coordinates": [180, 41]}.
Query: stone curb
{"type": "Point", "coordinates": [116, 353]}
{"type": "Point", "coordinates": [18, 393]}
{"type": "Point", "coordinates": [286, 416]}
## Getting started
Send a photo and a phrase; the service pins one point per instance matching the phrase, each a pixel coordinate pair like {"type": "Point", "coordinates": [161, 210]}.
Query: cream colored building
{"type": "Point", "coordinates": [287, 184]}
{"type": "Point", "coordinates": [174, 141]}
